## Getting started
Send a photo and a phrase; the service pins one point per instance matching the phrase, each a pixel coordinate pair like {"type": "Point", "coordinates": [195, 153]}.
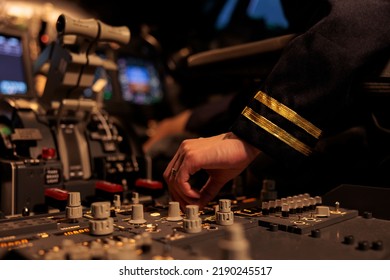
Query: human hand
{"type": "Point", "coordinates": [166, 127]}
{"type": "Point", "coordinates": [222, 157]}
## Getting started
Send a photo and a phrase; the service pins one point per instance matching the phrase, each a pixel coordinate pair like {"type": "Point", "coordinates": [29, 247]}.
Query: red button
{"type": "Point", "coordinates": [48, 153]}
{"type": "Point", "coordinates": [149, 184]}
{"type": "Point", "coordinates": [109, 187]}
{"type": "Point", "coordinates": [57, 194]}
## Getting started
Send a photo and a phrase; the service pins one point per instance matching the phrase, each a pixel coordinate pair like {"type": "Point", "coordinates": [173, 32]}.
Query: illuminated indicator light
{"type": "Point", "coordinates": [74, 232]}
{"type": "Point", "coordinates": [14, 243]}
{"type": "Point", "coordinates": [299, 222]}
{"type": "Point", "coordinates": [155, 214]}
{"type": "Point", "coordinates": [45, 38]}
{"type": "Point", "coordinates": [5, 131]}
{"type": "Point", "coordinates": [246, 200]}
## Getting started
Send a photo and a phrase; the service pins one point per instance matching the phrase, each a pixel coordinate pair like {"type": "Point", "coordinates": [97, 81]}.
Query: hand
{"type": "Point", "coordinates": [166, 127]}
{"type": "Point", "coordinates": [223, 157]}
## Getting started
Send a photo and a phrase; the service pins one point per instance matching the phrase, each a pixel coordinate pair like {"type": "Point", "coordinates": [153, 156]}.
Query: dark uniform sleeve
{"type": "Point", "coordinates": [306, 95]}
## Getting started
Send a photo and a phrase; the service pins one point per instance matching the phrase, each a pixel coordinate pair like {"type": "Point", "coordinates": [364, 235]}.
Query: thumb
{"type": "Point", "coordinates": [209, 191]}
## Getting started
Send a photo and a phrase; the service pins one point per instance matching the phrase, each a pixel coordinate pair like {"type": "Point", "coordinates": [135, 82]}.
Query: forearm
{"type": "Point", "coordinates": [306, 95]}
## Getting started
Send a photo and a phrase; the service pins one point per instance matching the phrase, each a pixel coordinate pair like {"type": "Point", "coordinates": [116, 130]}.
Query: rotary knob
{"type": "Point", "coordinates": [224, 216]}
{"type": "Point", "coordinates": [102, 223]}
{"type": "Point", "coordinates": [192, 223]}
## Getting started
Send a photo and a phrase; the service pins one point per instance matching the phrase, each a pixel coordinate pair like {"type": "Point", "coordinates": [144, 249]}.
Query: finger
{"type": "Point", "coordinates": [176, 164]}
{"type": "Point", "coordinates": [181, 190]}
{"type": "Point", "coordinates": [183, 173]}
{"type": "Point", "coordinates": [209, 191]}
{"type": "Point", "coordinates": [182, 199]}
{"type": "Point", "coordinates": [188, 191]}
{"type": "Point", "coordinates": [168, 171]}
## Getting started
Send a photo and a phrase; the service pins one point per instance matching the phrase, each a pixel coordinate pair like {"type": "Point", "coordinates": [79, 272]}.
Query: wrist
{"type": "Point", "coordinates": [251, 150]}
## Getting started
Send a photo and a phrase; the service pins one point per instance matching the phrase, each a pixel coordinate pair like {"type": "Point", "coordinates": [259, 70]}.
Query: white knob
{"type": "Point", "coordinates": [234, 245]}
{"type": "Point", "coordinates": [100, 210]}
{"type": "Point", "coordinates": [135, 198]}
{"type": "Point", "coordinates": [192, 223]}
{"type": "Point", "coordinates": [74, 210]}
{"type": "Point", "coordinates": [74, 199]}
{"type": "Point", "coordinates": [117, 201]}
{"type": "Point", "coordinates": [101, 227]}
{"type": "Point", "coordinates": [137, 214]}
{"type": "Point", "coordinates": [224, 215]}
{"type": "Point", "coordinates": [174, 212]}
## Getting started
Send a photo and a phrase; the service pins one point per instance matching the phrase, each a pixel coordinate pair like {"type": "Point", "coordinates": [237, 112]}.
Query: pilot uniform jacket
{"type": "Point", "coordinates": [310, 97]}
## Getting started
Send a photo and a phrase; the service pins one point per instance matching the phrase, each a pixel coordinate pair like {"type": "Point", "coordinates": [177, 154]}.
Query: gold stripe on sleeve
{"type": "Point", "coordinates": [279, 133]}
{"type": "Point", "coordinates": [289, 114]}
